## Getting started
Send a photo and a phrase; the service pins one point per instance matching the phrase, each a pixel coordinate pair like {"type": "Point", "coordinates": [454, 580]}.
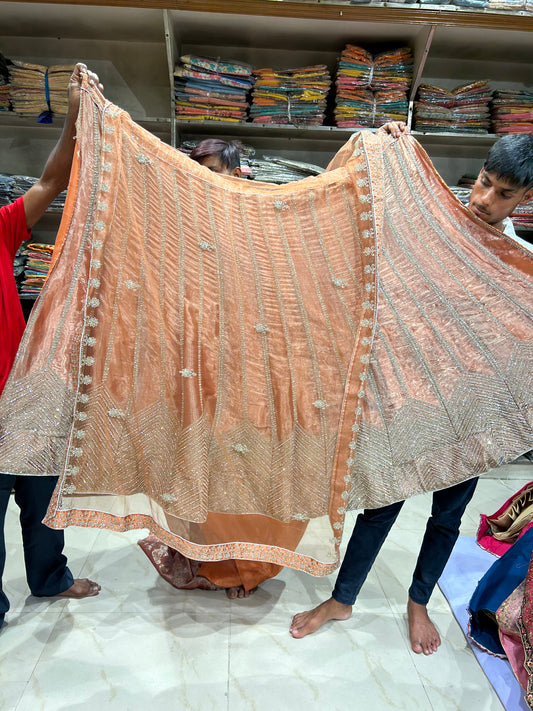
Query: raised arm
{"type": "Point", "coordinates": [56, 172]}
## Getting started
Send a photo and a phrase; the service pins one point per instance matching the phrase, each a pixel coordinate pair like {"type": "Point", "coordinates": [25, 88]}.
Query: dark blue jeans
{"type": "Point", "coordinates": [372, 527]}
{"type": "Point", "coordinates": [46, 566]}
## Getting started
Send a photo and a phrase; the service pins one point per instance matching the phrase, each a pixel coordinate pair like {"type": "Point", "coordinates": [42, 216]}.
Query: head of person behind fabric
{"type": "Point", "coordinates": [505, 181]}
{"type": "Point", "coordinates": [219, 156]}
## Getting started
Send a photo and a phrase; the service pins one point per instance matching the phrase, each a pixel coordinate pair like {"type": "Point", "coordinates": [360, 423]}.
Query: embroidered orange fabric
{"type": "Point", "coordinates": [233, 365]}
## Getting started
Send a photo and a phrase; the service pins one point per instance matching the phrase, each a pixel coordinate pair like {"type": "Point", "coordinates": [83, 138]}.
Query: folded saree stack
{"type": "Point", "coordinates": [464, 109]}
{"type": "Point", "coordinates": [16, 185]}
{"type": "Point", "coordinates": [275, 169]}
{"type": "Point", "coordinates": [372, 90]}
{"type": "Point", "coordinates": [290, 96]}
{"type": "Point", "coordinates": [38, 259]}
{"type": "Point", "coordinates": [37, 89]}
{"type": "Point", "coordinates": [5, 103]}
{"type": "Point", "coordinates": [512, 111]}
{"type": "Point", "coordinates": [506, 5]}
{"type": "Point", "coordinates": [213, 89]}
{"type": "Point", "coordinates": [523, 217]}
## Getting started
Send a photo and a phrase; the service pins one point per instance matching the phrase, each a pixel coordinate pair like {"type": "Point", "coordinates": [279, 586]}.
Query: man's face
{"type": "Point", "coordinates": [214, 164]}
{"type": "Point", "coordinates": [493, 199]}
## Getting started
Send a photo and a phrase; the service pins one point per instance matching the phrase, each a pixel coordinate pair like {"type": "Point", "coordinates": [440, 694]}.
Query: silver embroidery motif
{"type": "Point", "coordinates": [94, 302]}
{"type": "Point", "coordinates": [205, 245]}
{"type": "Point", "coordinates": [370, 286]}
{"type": "Point", "coordinates": [107, 147]}
{"type": "Point", "coordinates": [341, 511]}
{"type": "Point", "coordinates": [92, 321]}
{"type": "Point", "coordinates": [362, 182]}
{"type": "Point", "coordinates": [98, 244]}
{"type": "Point", "coordinates": [300, 517]}
{"type": "Point", "coordinates": [365, 358]}
{"type": "Point", "coordinates": [99, 225]}
{"type": "Point", "coordinates": [79, 434]}
{"type": "Point", "coordinates": [106, 167]}
{"type": "Point", "coordinates": [101, 205]}
{"type": "Point", "coordinates": [368, 305]}
{"type": "Point", "coordinates": [89, 341]}
{"type": "Point", "coordinates": [83, 398]}
{"type": "Point", "coordinates": [364, 198]}
{"type": "Point", "coordinates": [114, 412]}
{"type": "Point", "coordinates": [344, 495]}
{"type": "Point", "coordinates": [86, 379]}
{"type": "Point", "coordinates": [366, 340]}
{"type": "Point", "coordinates": [365, 215]}
{"type": "Point", "coordinates": [188, 373]}
{"type": "Point", "coordinates": [132, 284]}
{"type": "Point", "coordinates": [350, 462]}
{"type": "Point", "coordinates": [72, 471]}
{"type": "Point", "coordinates": [355, 427]}
{"type": "Point", "coordinates": [68, 488]}
{"type": "Point", "coordinates": [144, 160]}
{"type": "Point", "coordinates": [82, 416]}
{"type": "Point", "coordinates": [340, 283]}
{"type": "Point", "coordinates": [361, 394]}
{"type": "Point", "coordinates": [241, 448]}
{"type": "Point", "coordinates": [109, 129]}
{"type": "Point", "coordinates": [352, 445]}
{"type": "Point", "coordinates": [280, 205]}
{"type": "Point", "coordinates": [261, 328]}
{"type": "Point", "coordinates": [96, 264]}
{"type": "Point", "coordinates": [337, 525]}
{"type": "Point", "coordinates": [320, 404]}
{"type": "Point", "coordinates": [77, 452]}
{"type": "Point", "coordinates": [88, 360]}
{"type": "Point", "coordinates": [369, 250]}
{"type": "Point", "coordinates": [169, 498]}
{"type": "Point", "coordinates": [105, 187]}
{"type": "Point", "coordinates": [370, 269]}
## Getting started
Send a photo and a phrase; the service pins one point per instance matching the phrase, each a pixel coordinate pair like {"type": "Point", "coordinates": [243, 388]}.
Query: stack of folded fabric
{"type": "Point", "coordinates": [290, 96]}
{"type": "Point", "coordinates": [512, 111]}
{"type": "Point", "coordinates": [39, 90]}
{"type": "Point", "coordinates": [372, 90]}
{"type": "Point", "coordinates": [506, 5]}
{"type": "Point", "coordinates": [522, 217]}
{"type": "Point", "coordinates": [5, 103]}
{"type": "Point", "coordinates": [19, 263]}
{"type": "Point", "coordinates": [6, 188]}
{"type": "Point", "coordinates": [38, 259]}
{"type": "Point", "coordinates": [214, 89]}
{"type": "Point", "coordinates": [274, 169]}
{"type": "Point", "coordinates": [464, 109]}
{"type": "Point", "coordinates": [4, 96]}
{"type": "Point", "coordinates": [17, 185]}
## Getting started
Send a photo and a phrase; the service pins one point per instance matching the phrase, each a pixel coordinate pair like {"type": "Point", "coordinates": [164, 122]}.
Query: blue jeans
{"type": "Point", "coordinates": [46, 566]}
{"type": "Point", "coordinates": [371, 530]}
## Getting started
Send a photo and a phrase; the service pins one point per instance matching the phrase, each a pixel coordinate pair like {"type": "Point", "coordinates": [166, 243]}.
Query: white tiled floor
{"type": "Point", "coordinates": [142, 645]}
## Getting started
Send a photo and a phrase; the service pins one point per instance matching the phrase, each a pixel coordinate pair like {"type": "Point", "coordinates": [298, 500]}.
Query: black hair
{"type": "Point", "coordinates": [511, 158]}
{"type": "Point", "coordinates": [227, 153]}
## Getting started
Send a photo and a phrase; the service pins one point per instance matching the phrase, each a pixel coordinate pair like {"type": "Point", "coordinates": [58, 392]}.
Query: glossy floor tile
{"type": "Point", "coordinates": [141, 644]}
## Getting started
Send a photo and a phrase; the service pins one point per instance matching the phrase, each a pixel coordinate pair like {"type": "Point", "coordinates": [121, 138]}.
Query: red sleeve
{"type": "Point", "coordinates": [13, 230]}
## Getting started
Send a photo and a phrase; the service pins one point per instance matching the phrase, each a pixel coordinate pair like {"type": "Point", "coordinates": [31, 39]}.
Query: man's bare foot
{"type": "Point", "coordinates": [305, 623]}
{"type": "Point", "coordinates": [422, 632]}
{"type": "Point", "coordinates": [82, 587]}
{"type": "Point", "coordinates": [239, 591]}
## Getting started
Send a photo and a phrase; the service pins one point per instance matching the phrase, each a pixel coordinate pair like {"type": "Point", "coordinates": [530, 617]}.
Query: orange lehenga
{"type": "Point", "coordinates": [234, 365]}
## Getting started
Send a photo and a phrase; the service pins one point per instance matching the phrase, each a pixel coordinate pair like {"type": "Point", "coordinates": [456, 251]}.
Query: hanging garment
{"type": "Point", "coordinates": [210, 352]}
